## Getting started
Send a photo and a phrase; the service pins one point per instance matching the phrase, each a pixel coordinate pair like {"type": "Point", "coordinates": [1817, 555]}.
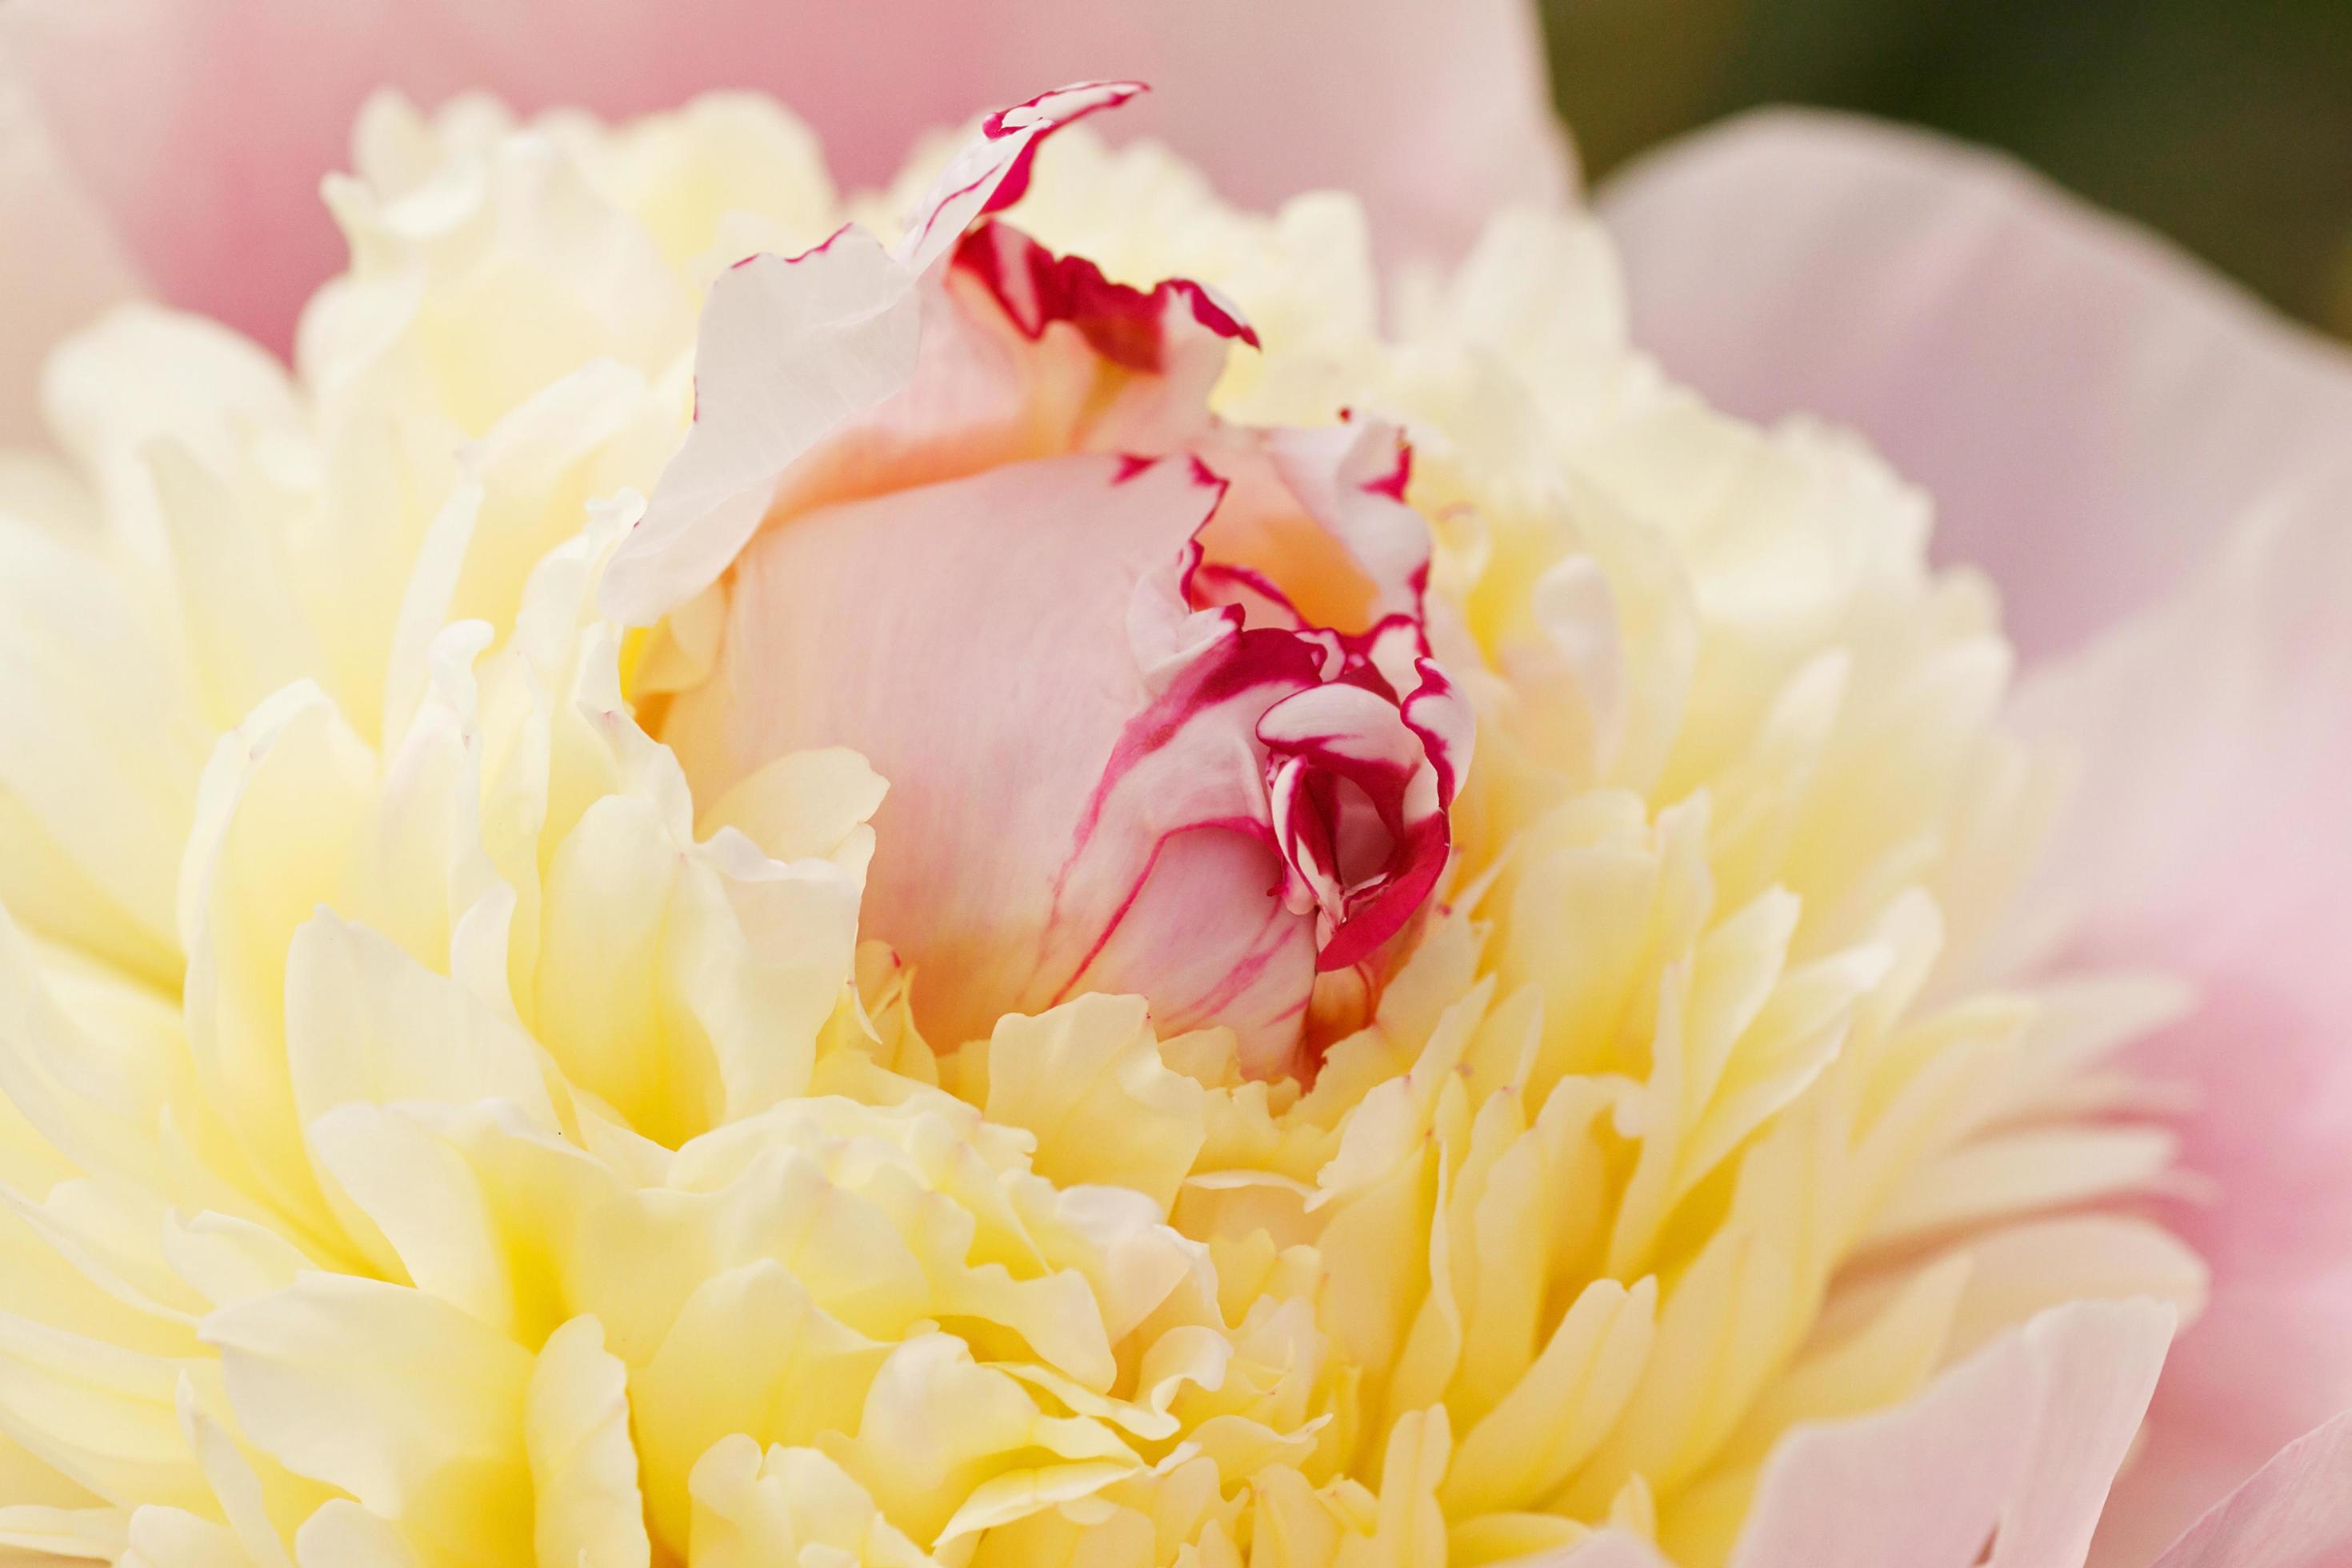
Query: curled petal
{"type": "Point", "coordinates": [1126, 325]}
{"type": "Point", "coordinates": [992, 171]}
{"type": "Point", "coordinates": [1123, 756]}
{"type": "Point", "coordinates": [846, 313]}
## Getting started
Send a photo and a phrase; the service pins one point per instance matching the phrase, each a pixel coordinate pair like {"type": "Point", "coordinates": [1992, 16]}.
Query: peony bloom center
{"type": "Point", "coordinates": [1154, 694]}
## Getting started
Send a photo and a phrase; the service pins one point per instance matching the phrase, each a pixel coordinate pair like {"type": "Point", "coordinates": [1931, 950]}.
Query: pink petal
{"type": "Point", "coordinates": [2211, 839]}
{"type": "Point", "coordinates": [2015, 1446]}
{"type": "Point", "coordinates": [204, 128]}
{"type": "Point", "coordinates": [2087, 407]}
{"type": "Point", "coordinates": [1609, 1549]}
{"type": "Point", "coordinates": [2296, 1514]}
{"type": "Point", "coordinates": [2104, 426]}
{"type": "Point", "coordinates": [971, 639]}
{"type": "Point", "coordinates": [59, 264]}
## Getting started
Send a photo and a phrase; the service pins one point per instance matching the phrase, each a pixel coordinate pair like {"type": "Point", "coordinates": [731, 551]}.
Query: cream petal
{"type": "Point", "coordinates": [2089, 410]}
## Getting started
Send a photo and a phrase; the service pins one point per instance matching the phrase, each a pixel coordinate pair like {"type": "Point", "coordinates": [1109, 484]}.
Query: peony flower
{"type": "Point", "coordinates": [1001, 872]}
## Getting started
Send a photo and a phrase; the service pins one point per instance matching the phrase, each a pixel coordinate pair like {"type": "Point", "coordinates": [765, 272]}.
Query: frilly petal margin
{"type": "Point", "coordinates": [204, 144]}
{"type": "Point", "coordinates": [2088, 406]}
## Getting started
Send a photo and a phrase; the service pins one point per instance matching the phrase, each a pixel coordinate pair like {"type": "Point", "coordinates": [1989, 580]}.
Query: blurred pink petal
{"type": "Point", "coordinates": [204, 128]}
{"type": "Point", "coordinates": [2212, 837]}
{"type": "Point", "coordinates": [59, 264]}
{"type": "Point", "coordinates": [2296, 1514]}
{"type": "Point", "coordinates": [2088, 408]}
{"type": "Point", "coordinates": [2016, 1445]}
{"type": "Point", "coordinates": [1609, 1549]}
{"type": "Point", "coordinates": [2155, 472]}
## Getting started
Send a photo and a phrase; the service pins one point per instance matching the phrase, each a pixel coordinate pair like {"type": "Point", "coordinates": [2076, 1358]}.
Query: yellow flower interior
{"type": "Point", "coordinates": [431, 1136]}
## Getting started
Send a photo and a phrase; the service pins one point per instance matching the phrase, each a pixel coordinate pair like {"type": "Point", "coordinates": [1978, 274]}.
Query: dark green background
{"type": "Point", "coordinates": [2225, 123]}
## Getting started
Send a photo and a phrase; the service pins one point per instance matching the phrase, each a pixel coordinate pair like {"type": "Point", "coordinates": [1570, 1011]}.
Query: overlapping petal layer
{"type": "Point", "coordinates": [447, 1130]}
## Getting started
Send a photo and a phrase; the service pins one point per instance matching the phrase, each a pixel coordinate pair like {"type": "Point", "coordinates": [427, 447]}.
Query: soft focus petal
{"type": "Point", "coordinates": [206, 140]}
{"type": "Point", "coordinates": [59, 263]}
{"type": "Point", "coordinates": [2016, 1446]}
{"type": "Point", "coordinates": [2088, 409]}
{"type": "Point", "coordinates": [2211, 839]}
{"type": "Point", "coordinates": [2296, 1514]}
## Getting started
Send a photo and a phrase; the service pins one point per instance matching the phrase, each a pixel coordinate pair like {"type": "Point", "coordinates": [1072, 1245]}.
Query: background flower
{"type": "Point", "coordinates": [181, 150]}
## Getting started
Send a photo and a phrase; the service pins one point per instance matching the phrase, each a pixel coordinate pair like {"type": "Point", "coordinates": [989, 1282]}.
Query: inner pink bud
{"type": "Point", "coordinates": [1154, 694]}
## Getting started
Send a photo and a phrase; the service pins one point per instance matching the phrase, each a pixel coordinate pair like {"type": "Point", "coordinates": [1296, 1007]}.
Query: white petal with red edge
{"type": "Point", "coordinates": [846, 318]}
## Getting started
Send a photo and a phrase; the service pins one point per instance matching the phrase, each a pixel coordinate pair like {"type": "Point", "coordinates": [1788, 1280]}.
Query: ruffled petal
{"type": "Point", "coordinates": [986, 532]}
{"type": "Point", "coordinates": [206, 148]}
{"type": "Point", "coordinates": [847, 316]}
{"type": "Point", "coordinates": [2088, 409]}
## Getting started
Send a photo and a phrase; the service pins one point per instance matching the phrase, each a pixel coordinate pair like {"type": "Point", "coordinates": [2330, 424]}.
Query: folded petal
{"type": "Point", "coordinates": [2014, 1447]}
{"type": "Point", "coordinates": [205, 143]}
{"type": "Point", "coordinates": [2088, 409]}
{"type": "Point", "coordinates": [2296, 1514]}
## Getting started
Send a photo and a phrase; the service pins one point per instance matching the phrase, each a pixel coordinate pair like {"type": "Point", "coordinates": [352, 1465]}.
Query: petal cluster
{"type": "Point", "coordinates": [473, 1086]}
